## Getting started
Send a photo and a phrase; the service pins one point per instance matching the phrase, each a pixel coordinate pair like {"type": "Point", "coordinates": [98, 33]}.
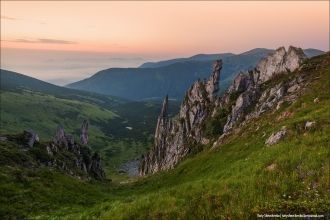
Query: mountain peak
{"type": "Point", "coordinates": [280, 61]}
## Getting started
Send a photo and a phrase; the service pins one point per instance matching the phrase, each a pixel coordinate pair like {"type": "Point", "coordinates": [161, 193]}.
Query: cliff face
{"type": "Point", "coordinates": [174, 137]}
{"type": "Point", "coordinates": [281, 61]}
{"type": "Point", "coordinates": [252, 99]}
{"type": "Point", "coordinates": [245, 98]}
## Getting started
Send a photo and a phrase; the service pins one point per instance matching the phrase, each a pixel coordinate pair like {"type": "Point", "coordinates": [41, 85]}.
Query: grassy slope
{"type": "Point", "coordinates": [28, 189]}
{"type": "Point", "coordinates": [24, 108]}
{"type": "Point", "coordinates": [232, 181]}
{"type": "Point", "coordinates": [28, 103]}
{"type": "Point", "coordinates": [44, 113]}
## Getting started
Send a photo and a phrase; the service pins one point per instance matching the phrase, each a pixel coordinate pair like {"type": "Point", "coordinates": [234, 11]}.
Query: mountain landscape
{"type": "Point", "coordinates": [72, 154]}
{"type": "Point", "coordinates": [118, 129]}
{"type": "Point", "coordinates": [164, 110]}
{"type": "Point", "coordinates": [172, 77]}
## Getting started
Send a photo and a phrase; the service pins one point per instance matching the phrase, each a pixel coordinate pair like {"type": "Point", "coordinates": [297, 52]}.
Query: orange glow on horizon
{"type": "Point", "coordinates": [163, 27]}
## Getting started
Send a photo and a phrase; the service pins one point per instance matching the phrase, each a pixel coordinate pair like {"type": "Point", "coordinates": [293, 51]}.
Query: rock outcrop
{"type": "Point", "coordinates": [84, 133]}
{"type": "Point", "coordinates": [246, 98]}
{"type": "Point", "coordinates": [310, 125]}
{"type": "Point", "coordinates": [62, 153]}
{"type": "Point", "coordinates": [63, 140]}
{"type": "Point", "coordinates": [174, 138]}
{"type": "Point", "coordinates": [252, 99]}
{"type": "Point", "coordinates": [276, 137]}
{"type": "Point", "coordinates": [83, 159]}
{"type": "Point", "coordinates": [30, 138]}
{"type": "Point", "coordinates": [281, 61]}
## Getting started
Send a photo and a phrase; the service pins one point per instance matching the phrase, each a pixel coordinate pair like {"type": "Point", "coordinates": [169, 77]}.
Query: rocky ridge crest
{"type": "Point", "coordinates": [246, 98]}
{"type": "Point", "coordinates": [174, 137]}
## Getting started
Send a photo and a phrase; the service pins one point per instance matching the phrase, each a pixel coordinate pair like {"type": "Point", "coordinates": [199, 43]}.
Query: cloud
{"type": "Point", "coordinates": [44, 41]}
{"type": "Point", "coordinates": [54, 41]}
{"type": "Point", "coordinates": [8, 18]}
{"type": "Point", "coordinates": [16, 19]}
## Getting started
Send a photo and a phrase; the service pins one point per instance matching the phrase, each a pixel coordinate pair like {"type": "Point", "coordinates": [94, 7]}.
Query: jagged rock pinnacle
{"type": "Point", "coordinates": [163, 112]}
{"type": "Point", "coordinates": [212, 85]}
{"type": "Point", "coordinates": [60, 135]}
{"type": "Point", "coordinates": [174, 137]}
{"type": "Point", "coordinates": [84, 132]}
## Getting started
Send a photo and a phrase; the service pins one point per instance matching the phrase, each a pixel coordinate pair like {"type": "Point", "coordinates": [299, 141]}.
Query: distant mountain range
{"type": "Point", "coordinates": [153, 80]}
{"type": "Point", "coordinates": [198, 57]}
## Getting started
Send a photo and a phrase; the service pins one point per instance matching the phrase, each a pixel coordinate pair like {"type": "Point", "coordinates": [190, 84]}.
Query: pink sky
{"type": "Point", "coordinates": [164, 27]}
{"type": "Point", "coordinates": [158, 30]}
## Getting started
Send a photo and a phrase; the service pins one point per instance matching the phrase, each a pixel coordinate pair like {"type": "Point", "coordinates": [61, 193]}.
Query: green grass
{"type": "Point", "coordinates": [25, 109]}
{"type": "Point", "coordinates": [28, 103]}
{"type": "Point", "coordinates": [43, 113]}
{"type": "Point", "coordinates": [231, 181]}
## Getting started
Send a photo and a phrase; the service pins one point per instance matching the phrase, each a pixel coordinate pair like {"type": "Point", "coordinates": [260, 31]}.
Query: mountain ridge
{"type": "Point", "coordinates": [172, 78]}
{"type": "Point", "coordinates": [245, 98]}
{"type": "Point", "coordinates": [290, 176]}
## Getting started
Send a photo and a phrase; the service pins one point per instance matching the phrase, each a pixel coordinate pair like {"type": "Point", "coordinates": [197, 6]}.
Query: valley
{"type": "Point", "coordinates": [236, 176]}
{"type": "Point", "coordinates": [28, 103]}
{"type": "Point", "coordinates": [164, 110]}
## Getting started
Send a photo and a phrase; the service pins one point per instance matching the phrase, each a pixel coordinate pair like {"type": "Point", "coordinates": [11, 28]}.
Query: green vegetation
{"type": "Point", "coordinates": [237, 180]}
{"type": "Point", "coordinates": [43, 113]}
{"type": "Point", "coordinates": [108, 131]}
{"type": "Point", "coordinates": [214, 125]}
{"type": "Point", "coordinates": [242, 177]}
{"type": "Point", "coordinates": [28, 103]}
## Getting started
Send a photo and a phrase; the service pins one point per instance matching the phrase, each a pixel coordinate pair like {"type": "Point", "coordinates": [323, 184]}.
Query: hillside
{"type": "Point", "coordinates": [198, 57]}
{"type": "Point", "coordinates": [172, 77]}
{"type": "Point", "coordinates": [12, 81]}
{"type": "Point", "coordinates": [242, 176]}
{"type": "Point", "coordinates": [28, 103]}
{"type": "Point", "coordinates": [258, 52]}
{"type": "Point", "coordinates": [235, 179]}
{"type": "Point", "coordinates": [310, 52]}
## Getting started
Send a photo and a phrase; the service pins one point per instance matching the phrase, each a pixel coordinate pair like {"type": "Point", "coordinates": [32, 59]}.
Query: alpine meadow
{"type": "Point", "coordinates": [164, 110]}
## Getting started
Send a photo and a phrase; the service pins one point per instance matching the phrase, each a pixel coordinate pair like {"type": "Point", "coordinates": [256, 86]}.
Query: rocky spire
{"type": "Point", "coordinates": [59, 137]}
{"type": "Point", "coordinates": [84, 133]}
{"type": "Point", "coordinates": [174, 138]}
{"type": "Point", "coordinates": [212, 85]}
{"type": "Point", "coordinates": [85, 159]}
{"type": "Point", "coordinates": [162, 123]}
{"type": "Point", "coordinates": [63, 139]}
{"type": "Point", "coordinates": [244, 99]}
{"type": "Point", "coordinates": [163, 112]}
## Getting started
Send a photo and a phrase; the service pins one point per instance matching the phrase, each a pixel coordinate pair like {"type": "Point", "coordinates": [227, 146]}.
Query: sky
{"type": "Point", "coordinates": [61, 41]}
